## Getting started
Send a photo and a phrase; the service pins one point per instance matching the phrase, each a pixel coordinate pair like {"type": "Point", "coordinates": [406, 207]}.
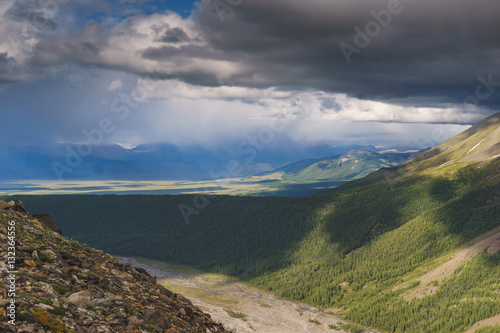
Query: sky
{"type": "Point", "coordinates": [214, 73]}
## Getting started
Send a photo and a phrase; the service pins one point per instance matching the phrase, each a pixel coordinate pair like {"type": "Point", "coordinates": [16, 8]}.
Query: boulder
{"type": "Point", "coordinates": [19, 207]}
{"type": "Point", "coordinates": [6, 205]}
{"type": "Point", "coordinates": [81, 299]}
{"type": "Point", "coordinates": [44, 307]}
{"type": "Point", "coordinates": [158, 318]}
{"type": "Point", "coordinates": [49, 253]}
{"type": "Point", "coordinates": [48, 221]}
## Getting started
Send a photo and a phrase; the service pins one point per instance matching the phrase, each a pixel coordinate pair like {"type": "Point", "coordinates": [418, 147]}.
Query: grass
{"type": "Point", "coordinates": [233, 314]}
{"type": "Point", "coordinates": [61, 289]}
{"type": "Point", "coordinates": [44, 258]}
{"type": "Point", "coordinates": [46, 321]}
{"type": "Point", "coordinates": [46, 301]}
{"type": "Point", "coordinates": [352, 328]}
{"type": "Point", "coordinates": [234, 186]}
{"type": "Point", "coordinates": [314, 321]}
{"type": "Point", "coordinates": [60, 311]}
{"type": "Point", "coordinates": [265, 305]}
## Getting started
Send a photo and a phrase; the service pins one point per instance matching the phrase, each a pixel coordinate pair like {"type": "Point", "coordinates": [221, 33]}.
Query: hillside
{"type": "Point", "coordinates": [350, 165]}
{"type": "Point", "coordinates": [479, 143]}
{"type": "Point", "coordinates": [61, 285]}
{"type": "Point", "coordinates": [359, 249]}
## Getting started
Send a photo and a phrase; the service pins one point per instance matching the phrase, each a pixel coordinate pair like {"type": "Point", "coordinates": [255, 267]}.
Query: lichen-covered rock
{"type": "Point", "coordinates": [82, 299]}
{"type": "Point", "coordinates": [65, 286]}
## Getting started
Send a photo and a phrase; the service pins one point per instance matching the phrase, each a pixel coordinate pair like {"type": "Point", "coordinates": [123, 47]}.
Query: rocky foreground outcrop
{"type": "Point", "coordinates": [61, 285]}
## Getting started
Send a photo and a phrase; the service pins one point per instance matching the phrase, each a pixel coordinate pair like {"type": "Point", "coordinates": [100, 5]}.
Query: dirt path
{"type": "Point", "coordinates": [489, 240]}
{"type": "Point", "coordinates": [485, 322]}
{"type": "Point", "coordinates": [262, 312]}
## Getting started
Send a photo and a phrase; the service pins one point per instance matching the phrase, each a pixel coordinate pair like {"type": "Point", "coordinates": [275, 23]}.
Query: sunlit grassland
{"type": "Point", "coordinates": [256, 185]}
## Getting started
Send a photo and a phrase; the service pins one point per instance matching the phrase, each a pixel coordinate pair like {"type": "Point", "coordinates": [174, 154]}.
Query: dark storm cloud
{"type": "Point", "coordinates": [89, 47]}
{"type": "Point", "coordinates": [33, 13]}
{"type": "Point", "coordinates": [83, 47]}
{"type": "Point", "coordinates": [174, 35]}
{"type": "Point", "coordinates": [425, 53]}
{"type": "Point", "coordinates": [5, 59]}
{"type": "Point", "coordinates": [12, 71]}
{"type": "Point", "coordinates": [187, 51]}
{"type": "Point", "coordinates": [429, 49]}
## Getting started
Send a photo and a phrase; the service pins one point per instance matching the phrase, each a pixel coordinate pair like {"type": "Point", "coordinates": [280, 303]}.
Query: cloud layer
{"type": "Point", "coordinates": [338, 70]}
{"type": "Point", "coordinates": [428, 52]}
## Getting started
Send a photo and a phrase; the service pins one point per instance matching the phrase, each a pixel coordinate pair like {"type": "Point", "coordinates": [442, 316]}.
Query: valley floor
{"type": "Point", "coordinates": [239, 306]}
{"type": "Point", "coordinates": [256, 185]}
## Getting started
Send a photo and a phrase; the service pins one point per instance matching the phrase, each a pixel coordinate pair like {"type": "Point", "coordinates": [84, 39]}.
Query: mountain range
{"type": "Point", "coordinates": [159, 161]}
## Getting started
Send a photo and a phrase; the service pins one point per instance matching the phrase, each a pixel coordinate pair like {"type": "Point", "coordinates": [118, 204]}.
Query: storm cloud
{"type": "Point", "coordinates": [434, 50]}
{"type": "Point", "coordinates": [426, 53]}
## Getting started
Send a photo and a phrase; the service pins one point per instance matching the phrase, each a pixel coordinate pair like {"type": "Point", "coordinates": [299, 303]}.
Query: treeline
{"type": "Point", "coordinates": [234, 235]}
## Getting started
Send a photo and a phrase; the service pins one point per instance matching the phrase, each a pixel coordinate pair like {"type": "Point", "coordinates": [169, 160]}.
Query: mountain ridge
{"type": "Point", "coordinates": [480, 142]}
{"type": "Point", "coordinates": [351, 164]}
{"type": "Point", "coordinates": [149, 161]}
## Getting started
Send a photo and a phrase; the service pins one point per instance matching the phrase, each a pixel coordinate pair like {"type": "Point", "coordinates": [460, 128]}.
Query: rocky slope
{"type": "Point", "coordinates": [60, 285]}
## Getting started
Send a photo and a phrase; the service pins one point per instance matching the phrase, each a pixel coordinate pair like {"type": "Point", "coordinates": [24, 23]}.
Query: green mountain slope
{"type": "Point", "coordinates": [350, 165]}
{"type": "Point", "coordinates": [479, 143]}
{"type": "Point", "coordinates": [360, 248]}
